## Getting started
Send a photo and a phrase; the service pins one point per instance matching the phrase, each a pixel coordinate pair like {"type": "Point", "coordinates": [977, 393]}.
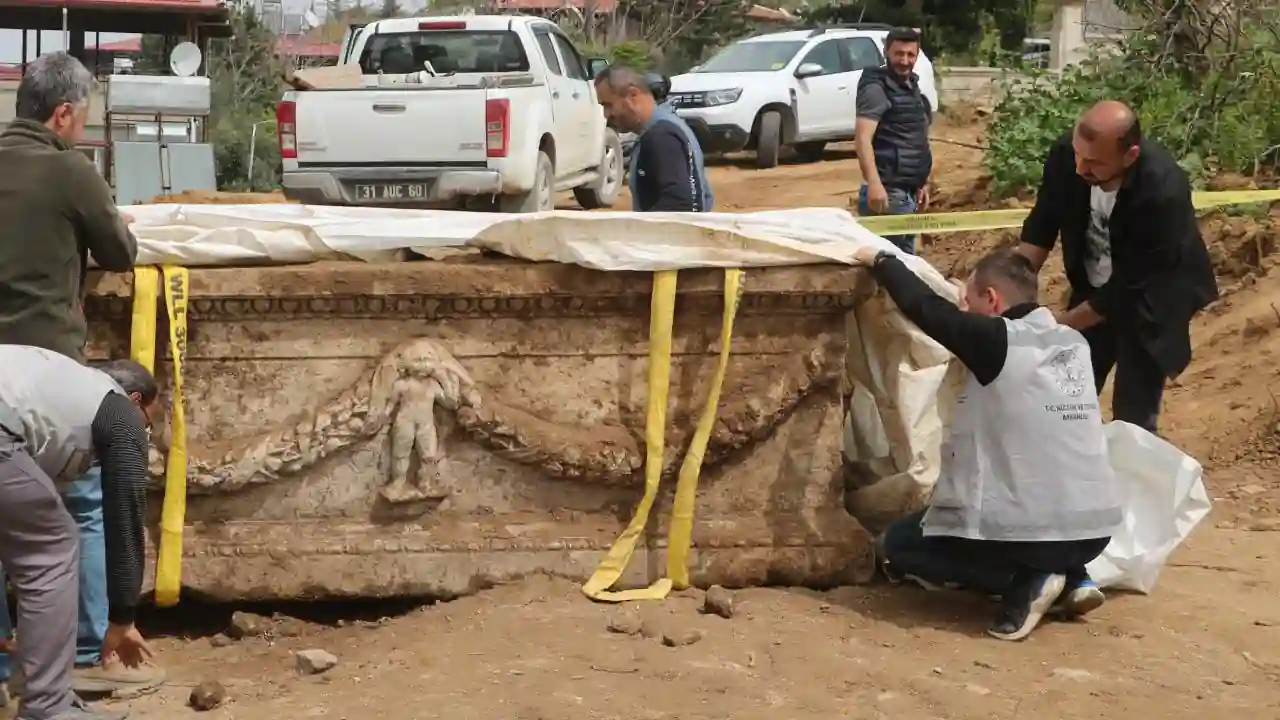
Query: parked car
{"type": "Point", "coordinates": [795, 88]}
{"type": "Point", "coordinates": [454, 111]}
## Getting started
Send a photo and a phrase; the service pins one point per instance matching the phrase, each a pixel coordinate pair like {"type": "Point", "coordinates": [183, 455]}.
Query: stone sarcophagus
{"type": "Point", "coordinates": [433, 428]}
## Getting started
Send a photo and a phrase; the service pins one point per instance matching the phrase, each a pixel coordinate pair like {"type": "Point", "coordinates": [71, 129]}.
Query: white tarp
{"type": "Point", "coordinates": [901, 380]}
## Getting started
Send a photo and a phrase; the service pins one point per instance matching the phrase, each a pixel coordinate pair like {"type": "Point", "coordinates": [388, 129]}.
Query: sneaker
{"type": "Point", "coordinates": [1078, 600]}
{"type": "Point", "coordinates": [115, 678]}
{"type": "Point", "coordinates": [897, 578]}
{"type": "Point", "coordinates": [1022, 611]}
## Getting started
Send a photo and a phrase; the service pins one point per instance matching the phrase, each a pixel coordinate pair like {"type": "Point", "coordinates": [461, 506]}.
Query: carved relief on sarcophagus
{"type": "Point", "coordinates": [433, 428]}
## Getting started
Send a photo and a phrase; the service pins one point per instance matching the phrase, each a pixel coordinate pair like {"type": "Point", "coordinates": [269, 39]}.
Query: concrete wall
{"type": "Point", "coordinates": [969, 85]}
{"type": "Point", "coordinates": [973, 85]}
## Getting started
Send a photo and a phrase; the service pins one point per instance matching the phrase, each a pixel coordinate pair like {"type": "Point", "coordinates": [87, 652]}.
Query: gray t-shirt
{"type": "Point", "coordinates": [873, 103]}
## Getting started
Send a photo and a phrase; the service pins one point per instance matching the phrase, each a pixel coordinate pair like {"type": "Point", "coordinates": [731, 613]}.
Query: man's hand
{"type": "Point", "coordinates": [127, 218]}
{"type": "Point", "coordinates": [877, 198]}
{"type": "Point", "coordinates": [1081, 317]}
{"type": "Point", "coordinates": [8, 645]}
{"type": "Point", "coordinates": [923, 198]}
{"type": "Point", "coordinates": [127, 643]}
{"type": "Point", "coordinates": [865, 255]}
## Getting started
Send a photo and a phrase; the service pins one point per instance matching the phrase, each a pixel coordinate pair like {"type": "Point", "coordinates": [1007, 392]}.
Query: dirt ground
{"type": "Point", "coordinates": [1206, 644]}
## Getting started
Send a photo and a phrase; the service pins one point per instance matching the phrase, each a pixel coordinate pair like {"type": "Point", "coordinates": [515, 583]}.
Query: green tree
{"type": "Point", "coordinates": [153, 55]}
{"type": "Point", "coordinates": [1213, 108]}
{"type": "Point", "coordinates": [246, 75]}
{"type": "Point", "coordinates": [948, 26]}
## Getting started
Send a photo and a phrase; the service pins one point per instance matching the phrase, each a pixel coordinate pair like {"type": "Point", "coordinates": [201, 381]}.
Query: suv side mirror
{"type": "Point", "coordinates": [808, 70]}
{"type": "Point", "coordinates": [595, 66]}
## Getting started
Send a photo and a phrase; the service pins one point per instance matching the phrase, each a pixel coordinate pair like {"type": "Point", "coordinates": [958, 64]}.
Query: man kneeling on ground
{"type": "Point", "coordinates": [56, 416]}
{"type": "Point", "coordinates": [1026, 496]}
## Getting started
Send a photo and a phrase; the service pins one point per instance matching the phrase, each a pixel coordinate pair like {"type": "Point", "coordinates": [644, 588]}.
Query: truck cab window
{"type": "Point", "coordinates": [447, 51]}
{"type": "Point", "coordinates": [548, 50]}
{"type": "Point", "coordinates": [573, 65]}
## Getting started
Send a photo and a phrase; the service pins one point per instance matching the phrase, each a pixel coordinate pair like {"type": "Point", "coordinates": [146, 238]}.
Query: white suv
{"type": "Point", "coordinates": [797, 88]}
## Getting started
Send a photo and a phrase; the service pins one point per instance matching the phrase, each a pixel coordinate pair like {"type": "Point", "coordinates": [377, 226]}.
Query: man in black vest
{"type": "Point", "coordinates": [1138, 267]}
{"type": "Point", "coordinates": [893, 135]}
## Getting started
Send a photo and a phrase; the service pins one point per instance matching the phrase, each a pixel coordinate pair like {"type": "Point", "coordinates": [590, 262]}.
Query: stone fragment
{"type": "Point", "coordinates": [247, 625]}
{"type": "Point", "coordinates": [681, 637]}
{"type": "Point", "coordinates": [220, 640]}
{"type": "Point", "coordinates": [626, 621]}
{"type": "Point", "coordinates": [315, 661]}
{"type": "Point", "coordinates": [207, 695]}
{"type": "Point", "coordinates": [718, 601]}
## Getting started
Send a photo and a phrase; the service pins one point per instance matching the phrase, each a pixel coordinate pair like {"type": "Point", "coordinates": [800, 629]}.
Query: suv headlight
{"type": "Point", "coordinates": [723, 97]}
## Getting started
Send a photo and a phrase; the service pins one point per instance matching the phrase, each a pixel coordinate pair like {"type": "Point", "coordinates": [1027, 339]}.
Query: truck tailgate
{"type": "Point", "coordinates": [392, 126]}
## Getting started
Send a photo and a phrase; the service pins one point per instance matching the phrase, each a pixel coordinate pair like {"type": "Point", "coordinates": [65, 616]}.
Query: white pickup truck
{"type": "Point", "coordinates": [466, 112]}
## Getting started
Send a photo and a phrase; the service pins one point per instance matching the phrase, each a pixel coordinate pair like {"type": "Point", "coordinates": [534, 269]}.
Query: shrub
{"type": "Point", "coordinates": [1221, 114]}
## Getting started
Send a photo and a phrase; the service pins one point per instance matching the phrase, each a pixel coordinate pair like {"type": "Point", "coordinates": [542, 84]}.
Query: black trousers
{"type": "Point", "coordinates": [1139, 386]}
{"type": "Point", "coordinates": [990, 566]}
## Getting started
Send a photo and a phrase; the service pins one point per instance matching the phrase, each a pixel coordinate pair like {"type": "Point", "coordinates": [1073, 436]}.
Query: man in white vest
{"type": "Point", "coordinates": [56, 417]}
{"type": "Point", "coordinates": [1026, 495]}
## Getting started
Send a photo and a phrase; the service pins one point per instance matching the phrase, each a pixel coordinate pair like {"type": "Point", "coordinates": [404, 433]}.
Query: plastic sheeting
{"type": "Point", "coordinates": [901, 381]}
{"type": "Point", "coordinates": [1164, 499]}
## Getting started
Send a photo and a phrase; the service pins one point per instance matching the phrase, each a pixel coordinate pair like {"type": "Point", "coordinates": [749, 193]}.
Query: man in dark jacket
{"type": "Point", "coordinates": [892, 135]}
{"type": "Point", "coordinates": [1138, 267]}
{"type": "Point", "coordinates": [55, 210]}
{"type": "Point", "coordinates": [668, 173]}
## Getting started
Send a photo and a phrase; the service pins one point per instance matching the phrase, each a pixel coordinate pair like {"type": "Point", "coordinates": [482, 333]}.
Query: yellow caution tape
{"type": "Point", "coordinates": [1004, 219]}
{"type": "Point", "coordinates": [177, 284]}
{"type": "Point", "coordinates": [680, 531]}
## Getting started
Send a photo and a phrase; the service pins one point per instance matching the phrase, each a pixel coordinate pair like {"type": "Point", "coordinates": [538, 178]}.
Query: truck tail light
{"type": "Point", "coordinates": [287, 128]}
{"type": "Point", "coordinates": [443, 25]}
{"type": "Point", "coordinates": [497, 127]}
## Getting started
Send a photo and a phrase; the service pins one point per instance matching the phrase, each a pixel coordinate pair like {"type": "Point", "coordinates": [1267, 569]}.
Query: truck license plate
{"type": "Point", "coordinates": [391, 192]}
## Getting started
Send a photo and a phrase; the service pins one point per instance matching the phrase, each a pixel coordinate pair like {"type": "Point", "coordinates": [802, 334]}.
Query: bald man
{"type": "Point", "coordinates": [1137, 265]}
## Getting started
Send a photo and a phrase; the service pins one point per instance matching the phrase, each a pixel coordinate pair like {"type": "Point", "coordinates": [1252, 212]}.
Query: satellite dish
{"type": "Point", "coordinates": [184, 59]}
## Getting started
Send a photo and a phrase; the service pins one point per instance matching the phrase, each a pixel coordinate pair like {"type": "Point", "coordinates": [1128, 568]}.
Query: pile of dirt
{"type": "Point", "coordinates": [1242, 246]}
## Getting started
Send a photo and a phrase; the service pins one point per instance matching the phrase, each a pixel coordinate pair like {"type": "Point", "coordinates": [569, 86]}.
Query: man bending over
{"type": "Point", "coordinates": [56, 416]}
{"type": "Point", "coordinates": [1026, 496]}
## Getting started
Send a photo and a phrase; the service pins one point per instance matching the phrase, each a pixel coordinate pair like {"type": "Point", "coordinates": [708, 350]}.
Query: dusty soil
{"type": "Point", "coordinates": [1206, 644]}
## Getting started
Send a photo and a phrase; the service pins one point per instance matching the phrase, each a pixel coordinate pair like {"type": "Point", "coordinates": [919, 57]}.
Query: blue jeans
{"type": "Point", "coordinates": [83, 499]}
{"type": "Point", "coordinates": [901, 202]}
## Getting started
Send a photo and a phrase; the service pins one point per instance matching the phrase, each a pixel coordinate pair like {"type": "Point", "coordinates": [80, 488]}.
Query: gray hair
{"type": "Point", "coordinates": [132, 377]}
{"type": "Point", "coordinates": [49, 81]}
{"type": "Point", "coordinates": [621, 78]}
